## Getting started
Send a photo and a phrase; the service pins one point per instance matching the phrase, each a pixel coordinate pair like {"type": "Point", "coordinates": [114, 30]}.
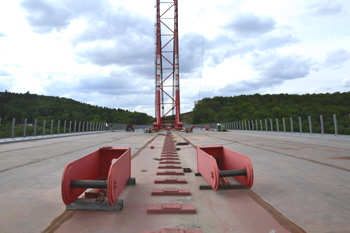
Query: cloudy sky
{"type": "Point", "coordinates": [102, 51]}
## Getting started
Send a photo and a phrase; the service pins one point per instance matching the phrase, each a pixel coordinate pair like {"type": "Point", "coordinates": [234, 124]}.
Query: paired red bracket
{"type": "Point", "coordinates": [174, 230]}
{"type": "Point", "coordinates": [214, 162]}
{"type": "Point", "coordinates": [171, 208]}
{"type": "Point", "coordinates": [107, 168]}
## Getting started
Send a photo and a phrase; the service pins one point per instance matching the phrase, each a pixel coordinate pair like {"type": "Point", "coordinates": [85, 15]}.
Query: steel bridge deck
{"type": "Point", "coordinates": [301, 185]}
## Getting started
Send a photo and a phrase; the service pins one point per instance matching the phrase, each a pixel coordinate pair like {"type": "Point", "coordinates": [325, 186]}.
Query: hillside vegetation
{"type": "Point", "coordinates": [31, 106]}
{"type": "Point", "coordinates": [256, 107]}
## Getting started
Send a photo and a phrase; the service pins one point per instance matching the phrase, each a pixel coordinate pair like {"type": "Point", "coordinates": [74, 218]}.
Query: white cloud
{"type": "Point", "coordinates": [102, 51]}
{"type": "Point", "coordinates": [346, 83]}
{"type": "Point", "coordinates": [335, 59]}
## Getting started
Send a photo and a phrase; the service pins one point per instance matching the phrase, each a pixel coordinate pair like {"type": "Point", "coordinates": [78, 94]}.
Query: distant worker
{"type": "Point", "coordinates": [106, 126]}
{"type": "Point", "coordinates": [219, 126]}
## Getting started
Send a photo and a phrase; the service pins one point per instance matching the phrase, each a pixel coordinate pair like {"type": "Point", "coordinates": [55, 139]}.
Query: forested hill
{"type": "Point", "coordinates": [254, 107]}
{"type": "Point", "coordinates": [31, 106]}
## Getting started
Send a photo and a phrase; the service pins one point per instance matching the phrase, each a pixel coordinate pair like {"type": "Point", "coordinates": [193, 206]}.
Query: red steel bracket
{"type": "Point", "coordinates": [174, 230]}
{"type": "Point", "coordinates": [214, 162]}
{"type": "Point", "coordinates": [171, 172]}
{"type": "Point", "coordinates": [167, 166]}
{"type": "Point", "coordinates": [171, 208]}
{"type": "Point", "coordinates": [171, 192]}
{"type": "Point", "coordinates": [170, 180]}
{"type": "Point", "coordinates": [98, 168]}
{"type": "Point", "coordinates": [169, 162]}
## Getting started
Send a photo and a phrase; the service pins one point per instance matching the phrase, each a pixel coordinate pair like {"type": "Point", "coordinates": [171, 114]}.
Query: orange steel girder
{"type": "Point", "coordinates": [167, 98]}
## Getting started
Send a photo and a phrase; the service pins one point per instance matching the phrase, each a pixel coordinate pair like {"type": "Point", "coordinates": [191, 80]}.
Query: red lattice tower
{"type": "Point", "coordinates": [167, 101]}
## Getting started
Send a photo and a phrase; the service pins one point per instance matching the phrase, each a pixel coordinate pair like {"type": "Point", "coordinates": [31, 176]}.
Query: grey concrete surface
{"type": "Point", "coordinates": [31, 171]}
{"type": "Point", "coordinates": [306, 178]}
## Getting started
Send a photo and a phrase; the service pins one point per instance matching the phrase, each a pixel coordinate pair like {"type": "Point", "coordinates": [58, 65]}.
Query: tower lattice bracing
{"type": "Point", "coordinates": [167, 98]}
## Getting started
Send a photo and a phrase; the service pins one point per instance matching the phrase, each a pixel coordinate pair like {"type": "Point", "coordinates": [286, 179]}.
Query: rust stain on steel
{"type": "Point", "coordinates": [141, 149]}
{"type": "Point", "coordinates": [297, 157]}
{"type": "Point", "coordinates": [340, 158]}
{"type": "Point", "coordinates": [68, 214]}
{"type": "Point", "coordinates": [57, 222]}
{"type": "Point", "coordinates": [278, 216]}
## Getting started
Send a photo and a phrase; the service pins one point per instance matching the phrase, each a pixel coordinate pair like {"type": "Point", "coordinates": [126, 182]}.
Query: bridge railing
{"type": "Point", "coordinates": [320, 125]}
{"type": "Point", "coordinates": [50, 127]}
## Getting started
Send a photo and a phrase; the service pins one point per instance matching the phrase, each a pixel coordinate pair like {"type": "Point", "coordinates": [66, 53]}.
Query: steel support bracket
{"type": "Point", "coordinates": [214, 162]}
{"type": "Point", "coordinates": [107, 168]}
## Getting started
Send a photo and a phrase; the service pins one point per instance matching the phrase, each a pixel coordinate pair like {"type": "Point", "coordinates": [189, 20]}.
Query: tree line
{"type": "Point", "coordinates": [255, 107]}
{"type": "Point", "coordinates": [31, 106]}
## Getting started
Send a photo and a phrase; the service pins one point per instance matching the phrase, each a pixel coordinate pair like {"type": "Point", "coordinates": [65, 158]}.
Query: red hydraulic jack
{"type": "Point", "coordinates": [108, 170]}
{"type": "Point", "coordinates": [215, 163]}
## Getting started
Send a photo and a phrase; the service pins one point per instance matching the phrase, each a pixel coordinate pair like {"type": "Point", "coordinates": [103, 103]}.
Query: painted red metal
{"type": "Point", "coordinates": [98, 166]}
{"type": "Point", "coordinates": [171, 192]}
{"type": "Point", "coordinates": [95, 193]}
{"type": "Point", "coordinates": [170, 172]}
{"type": "Point", "coordinates": [170, 180]}
{"type": "Point", "coordinates": [213, 159]}
{"type": "Point", "coordinates": [174, 230]}
{"type": "Point", "coordinates": [167, 99]}
{"type": "Point", "coordinates": [170, 158]}
{"type": "Point", "coordinates": [169, 162]}
{"type": "Point", "coordinates": [169, 154]}
{"type": "Point", "coordinates": [171, 208]}
{"type": "Point", "coordinates": [169, 166]}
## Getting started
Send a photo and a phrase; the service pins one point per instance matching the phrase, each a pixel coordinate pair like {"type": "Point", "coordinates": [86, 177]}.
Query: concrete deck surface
{"type": "Point", "coordinates": [301, 185]}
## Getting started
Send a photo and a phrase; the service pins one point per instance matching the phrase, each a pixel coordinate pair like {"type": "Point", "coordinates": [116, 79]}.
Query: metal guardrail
{"type": "Point", "coordinates": [52, 127]}
{"type": "Point", "coordinates": [309, 125]}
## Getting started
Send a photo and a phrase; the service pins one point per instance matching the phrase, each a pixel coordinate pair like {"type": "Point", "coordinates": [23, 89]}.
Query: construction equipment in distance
{"type": "Point", "coordinates": [167, 88]}
{"type": "Point", "coordinates": [130, 127]}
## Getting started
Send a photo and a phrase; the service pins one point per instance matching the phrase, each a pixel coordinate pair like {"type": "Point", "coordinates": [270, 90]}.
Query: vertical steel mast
{"type": "Point", "coordinates": [167, 66]}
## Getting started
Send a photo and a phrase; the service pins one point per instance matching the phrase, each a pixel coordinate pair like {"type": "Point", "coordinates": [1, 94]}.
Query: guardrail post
{"type": "Point", "coordinates": [310, 124]}
{"type": "Point", "coordinates": [70, 126]}
{"type": "Point", "coordinates": [266, 125]}
{"type": "Point", "coordinates": [75, 126]}
{"type": "Point", "coordinates": [261, 127]}
{"type": "Point", "coordinates": [44, 123]}
{"type": "Point", "coordinates": [58, 126]}
{"type": "Point", "coordinates": [271, 125]}
{"type": "Point", "coordinates": [291, 125]}
{"type": "Point", "coordinates": [13, 127]}
{"type": "Point", "coordinates": [322, 126]}
{"type": "Point", "coordinates": [277, 125]}
{"type": "Point", "coordinates": [64, 126]}
{"type": "Point", "coordinates": [35, 124]}
{"type": "Point", "coordinates": [51, 126]}
{"type": "Point", "coordinates": [25, 128]}
{"type": "Point", "coordinates": [335, 124]}
{"type": "Point", "coordinates": [284, 124]}
{"type": "Point", "coordinates": [79, 126]}
{"type": "Point", "coordinates": [300, 125]}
